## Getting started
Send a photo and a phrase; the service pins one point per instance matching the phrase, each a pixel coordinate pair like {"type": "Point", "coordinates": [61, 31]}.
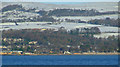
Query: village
{"type": "Point", "coordinates": [60, 31]}
{"type": "Point", "coordinates": [19, 46]}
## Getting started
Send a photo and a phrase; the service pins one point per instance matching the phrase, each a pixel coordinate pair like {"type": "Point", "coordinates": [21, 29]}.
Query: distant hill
{"type": "Point", "coordinates": [34, 11]}
{"type": "Point", "coordinates": [100, 6]}
{"type": "Point", "coordinates": [11, 7]}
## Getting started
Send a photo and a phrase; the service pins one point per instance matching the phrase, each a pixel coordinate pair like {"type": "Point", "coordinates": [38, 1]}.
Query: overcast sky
{"type": "Point", "coordinates": [59, 0]}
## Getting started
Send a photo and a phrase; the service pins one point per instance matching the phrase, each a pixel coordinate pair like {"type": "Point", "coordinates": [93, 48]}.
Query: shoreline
{"type": "Point", "coordinates": [61, 54]}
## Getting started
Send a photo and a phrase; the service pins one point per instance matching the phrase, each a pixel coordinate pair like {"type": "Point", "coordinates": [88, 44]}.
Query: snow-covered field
{"type": "Point", "coordinates": [66, 25]}
{"type": "Point", "coordinates": [106, 35]}
{"type": "Point", "coordinates": [14, 15]}
{"type": "Point", "coordinates": [87, 18]}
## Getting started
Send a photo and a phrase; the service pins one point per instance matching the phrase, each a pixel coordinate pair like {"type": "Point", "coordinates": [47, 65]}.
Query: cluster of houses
{"type": "Point", "coordinates": [11, 39]}
{"type": "Point", "coordinates": [12, 52]}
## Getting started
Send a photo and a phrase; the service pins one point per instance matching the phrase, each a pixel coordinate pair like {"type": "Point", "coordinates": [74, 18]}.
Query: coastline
{"type": "Point", "coordinates": [64, 54]}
